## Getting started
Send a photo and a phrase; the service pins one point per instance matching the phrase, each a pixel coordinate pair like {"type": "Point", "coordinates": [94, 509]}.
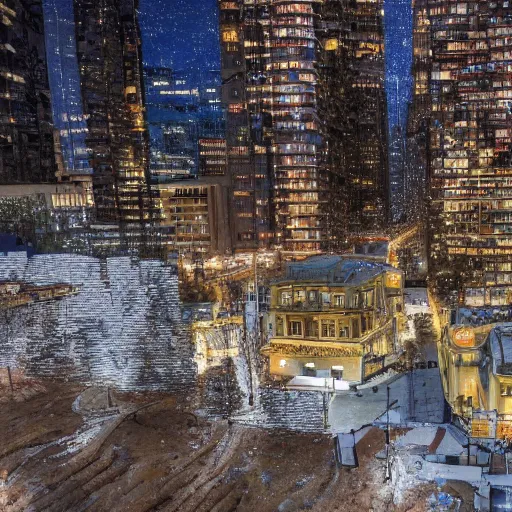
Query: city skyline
{"type": "Point", "coordinates": [256, 255]}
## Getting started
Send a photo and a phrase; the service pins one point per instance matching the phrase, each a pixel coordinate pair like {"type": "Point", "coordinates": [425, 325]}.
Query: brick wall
{"type": "Point", "coordinates": [123, 329]}
{"type": "Point", "coordinates": [302, 411]}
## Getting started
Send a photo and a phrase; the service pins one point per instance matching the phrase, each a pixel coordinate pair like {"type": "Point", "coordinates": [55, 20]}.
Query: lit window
{"type": "Point", "coordinates": [230, 36]}
{"type": "Point", "coordinates": [295, 328]}
{"type": "Point", "coordinates": [331, 45]}
{"type": "Point", "coordinates": [328, 329]}
{"type": "Point", "coordinates": [339, 301]}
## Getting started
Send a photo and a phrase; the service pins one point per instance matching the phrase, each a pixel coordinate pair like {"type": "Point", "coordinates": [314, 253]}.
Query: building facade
{"type": "Point", "coordinates": [109, 57]}
{"type": "Point", "coordinates": [26, 131]}
{"type": "Point", "coordinates": [172, 114]}
{"type": "Point", "coordinates": [417, 159]}
{"type": "Point", "coordinates": [353, 116]}
{"type": "Point", "coordinates": [246, 92]}
{"type": "Point", "coordinates": [195, 216]}
{"type": "Point", "coordinates": [307, 157]}
{"type": "Point", "coordinates": [68, 116]}
{"type": "Point", "coordinates": [334, 317]}
{"type": "Point", "coordinates": [470, 147]}
{"type": "Point", "coordinates": [476, 364]}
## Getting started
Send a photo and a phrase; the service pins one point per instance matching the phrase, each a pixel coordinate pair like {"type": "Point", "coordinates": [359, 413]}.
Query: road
{"type": "Point", "coordinates": [417, 395]}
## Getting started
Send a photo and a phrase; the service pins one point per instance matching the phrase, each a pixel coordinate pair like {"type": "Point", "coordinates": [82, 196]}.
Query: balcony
{"type": "Point", "coordinates": [318, 307]}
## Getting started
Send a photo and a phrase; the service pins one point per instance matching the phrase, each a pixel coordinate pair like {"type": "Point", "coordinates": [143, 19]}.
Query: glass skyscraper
{"type": "Point", "coordinates": [68, 115]}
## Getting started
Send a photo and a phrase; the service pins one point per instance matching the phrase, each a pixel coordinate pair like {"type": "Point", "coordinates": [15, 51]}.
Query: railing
{"type": "Point", "coordinates": [301, 306]}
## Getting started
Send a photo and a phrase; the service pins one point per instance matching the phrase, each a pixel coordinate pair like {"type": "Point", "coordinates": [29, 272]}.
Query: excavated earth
{"type": "Point", "coordinates": [70, 449]}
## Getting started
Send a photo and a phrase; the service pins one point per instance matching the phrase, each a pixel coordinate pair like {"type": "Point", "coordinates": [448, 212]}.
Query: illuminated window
{"type": "Point", "coordinates": [286, 298]}
{"type": "Point", "coordinates": [331, 45]}
{"type": "Point", "coordinates": [230, 36]}
{"type": "Point", "coordinates": [295, 328]}
{"type": "Point", "coordinates": [328, 329]}
{"type": "Point", "coordinates": [279, 326]}
{"type": "Point", "coordinates": [339, 301]}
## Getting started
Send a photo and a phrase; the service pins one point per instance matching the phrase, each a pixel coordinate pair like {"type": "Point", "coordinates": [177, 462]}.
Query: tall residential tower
{"type": "Point", "coordinates": [471, 148]}
{"type": "Point", "coordinates": [303, 83]}
{"type": "Point", "coordinates": [26, 131]}
{"type": "Point", "coordinates": [109, 56]}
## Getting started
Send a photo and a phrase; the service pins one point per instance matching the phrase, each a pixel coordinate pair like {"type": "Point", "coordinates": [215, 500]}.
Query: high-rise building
{"type": "Point", "coordinates": [246, 92]}
{"type": "Point", "coordinates": [397, 175]}
{"type": "Point", "coordinates": [471, 148]}
{"type": "Point", "coordinates": [182, 109]}
{"type": "Point", "coordinates": [26, 131]}
{"type": "Point", "coordinates": [108, 49]}
{"type": "Point", "coordinates": [172, 113]}
{"type": "Point", "coordinates": [298, 186]}
{"type": "Point", "coordinates": [353, 118]}
{"type": "Point", "coordinates": [188, 160]}
{"type": "Point", "coordinates": [418, 117]}
{"type": "Point", "coordinates": [298, 144]}
{"type": "Point", "coordinates": [68, 116]}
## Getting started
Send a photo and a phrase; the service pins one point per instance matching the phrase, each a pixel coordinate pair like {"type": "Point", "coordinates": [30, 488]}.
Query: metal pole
{"type": "Point", "coordinates": [388, 473]}
{"type": "Point", "coordinates": [10, 378]}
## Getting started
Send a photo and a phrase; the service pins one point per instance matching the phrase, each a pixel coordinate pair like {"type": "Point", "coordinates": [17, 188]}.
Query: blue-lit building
{"type": "Point", "coordinates": [397, 171]}
{"type": "Point", "coordinates": [68, 115]}
{"type": "Point", "coordinates": [172, 107]}
{"type": "Point", "coordinates": [181, 110]}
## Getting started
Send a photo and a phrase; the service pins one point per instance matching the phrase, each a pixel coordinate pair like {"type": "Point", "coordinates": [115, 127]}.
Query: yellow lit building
{"type": "Point", "coordinates": [195, 215]}
{"type": "Point", "coordinates": [334, 317]}
{"type": "Point", "coordinates": [476, 365]}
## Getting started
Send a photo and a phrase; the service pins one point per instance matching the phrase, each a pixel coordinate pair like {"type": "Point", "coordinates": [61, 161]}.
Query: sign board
{"type": "Point", "coordinates": [393, 280]}
{"type": "Point", "coordinates": [464, 337]}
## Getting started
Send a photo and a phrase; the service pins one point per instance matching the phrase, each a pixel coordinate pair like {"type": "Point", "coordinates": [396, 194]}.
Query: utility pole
{"type": "Point", "coordinates": [388, 473]}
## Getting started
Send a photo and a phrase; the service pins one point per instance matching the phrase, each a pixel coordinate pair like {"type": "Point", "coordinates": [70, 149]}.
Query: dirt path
{"type": "Point", "coordinates": [150, 453]}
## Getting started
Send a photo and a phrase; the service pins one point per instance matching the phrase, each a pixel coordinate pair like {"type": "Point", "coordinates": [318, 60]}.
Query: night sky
{"type": "Point", "coordinates": [181, 34]}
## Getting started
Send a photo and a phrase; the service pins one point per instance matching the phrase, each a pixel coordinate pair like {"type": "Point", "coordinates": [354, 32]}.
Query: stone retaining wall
{"type": "Point", "coordinates": [302, 411]}
{"type": "Point", "coordinates": [123, 328]}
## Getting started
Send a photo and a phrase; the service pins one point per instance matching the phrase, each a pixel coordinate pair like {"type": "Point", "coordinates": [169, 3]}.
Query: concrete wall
{"type": "Point", "coordinates": [123, 329]}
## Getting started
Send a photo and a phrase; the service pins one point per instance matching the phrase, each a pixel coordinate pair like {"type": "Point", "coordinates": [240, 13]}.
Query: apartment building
{"type": "Point", "coordinates": [109, 58]}
{"type": "Point", "coordinates": [307, 157]}
{"type": "Point", "coordinates": [470, 147]}
{"type": "Point", "coordinates": [26, 130]}
{"type": "Point", "coordinates": [332, 316]}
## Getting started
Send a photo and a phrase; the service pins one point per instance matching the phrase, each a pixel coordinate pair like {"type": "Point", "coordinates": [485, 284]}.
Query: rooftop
{"type": "Point", "coordinates": [335, 269]}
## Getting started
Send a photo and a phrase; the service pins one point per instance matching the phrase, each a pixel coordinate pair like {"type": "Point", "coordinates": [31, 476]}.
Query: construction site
{"type": "Point", "coordinates": [192, 420]}
{"type": "Point", "coordinates": [67, 448]}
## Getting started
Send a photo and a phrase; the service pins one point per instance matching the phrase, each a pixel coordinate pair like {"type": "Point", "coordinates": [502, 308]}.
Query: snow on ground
{"type": "Point", "coordinates": [422, 436]}
{"type": "Point", "coordinates": [379, 379]}
{"type": "Point", "coordinates": [318, 383]}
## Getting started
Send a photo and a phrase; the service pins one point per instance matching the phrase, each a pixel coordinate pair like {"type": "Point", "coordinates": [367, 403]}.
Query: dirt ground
{"type": "Point", "coordinates": [133, 453]}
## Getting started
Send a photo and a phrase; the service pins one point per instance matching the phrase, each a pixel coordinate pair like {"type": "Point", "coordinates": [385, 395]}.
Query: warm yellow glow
{"type": "Point", "coordinates": [331, 44]}
{"type": "Point", "coordinates": [230, 36]}
{"type": "Point", "coordinates": [393, 280]}
{"type": "Point", "coordinates": [464, 337]}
